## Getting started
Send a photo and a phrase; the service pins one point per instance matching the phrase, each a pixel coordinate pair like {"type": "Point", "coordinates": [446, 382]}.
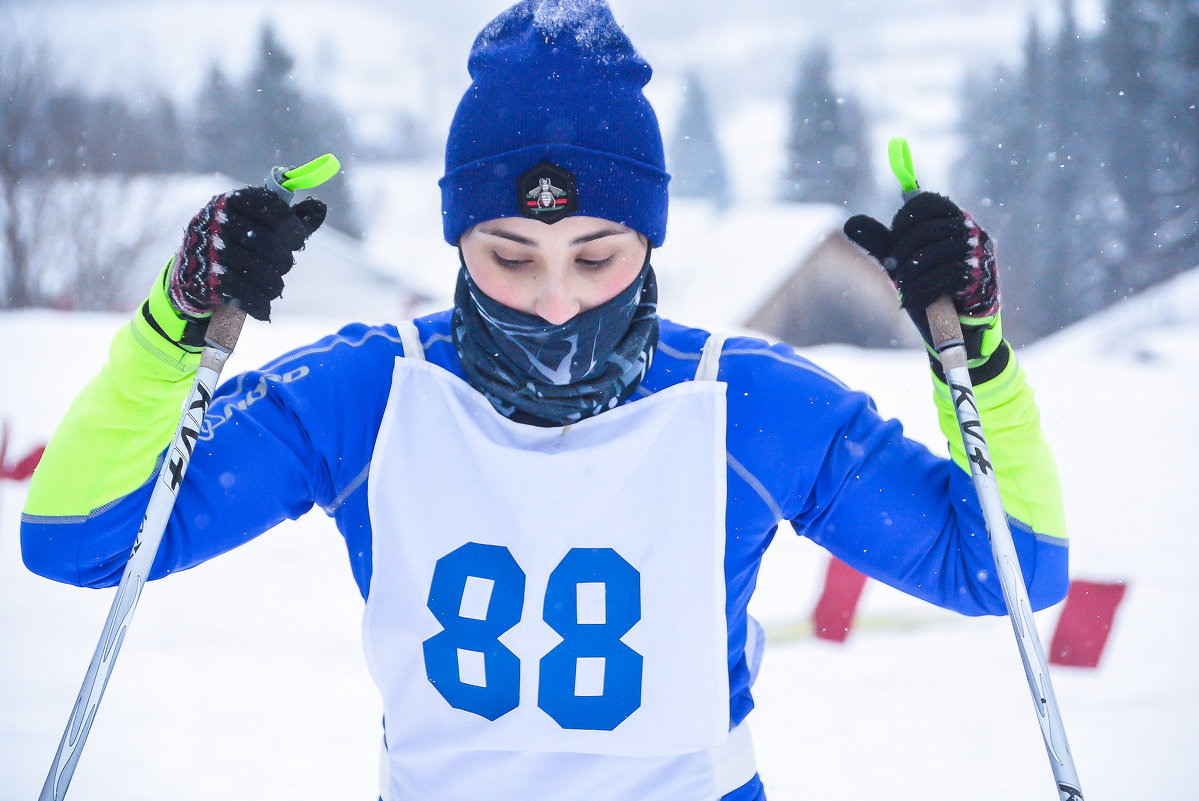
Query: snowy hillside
{"type": "Point", "coordinates": [243, 678]}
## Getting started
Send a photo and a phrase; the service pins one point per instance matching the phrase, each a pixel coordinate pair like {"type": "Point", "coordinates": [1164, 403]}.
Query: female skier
{"type": "Point", "coordinates": [555, 502]}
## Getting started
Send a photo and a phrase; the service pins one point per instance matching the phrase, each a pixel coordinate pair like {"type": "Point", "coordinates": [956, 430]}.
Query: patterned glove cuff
{"type": "Point", "coordinates": [183, 331]}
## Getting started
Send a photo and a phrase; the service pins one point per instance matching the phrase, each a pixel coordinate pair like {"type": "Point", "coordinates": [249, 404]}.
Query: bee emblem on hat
{"type": "Point", "coordinates": [546, 193]}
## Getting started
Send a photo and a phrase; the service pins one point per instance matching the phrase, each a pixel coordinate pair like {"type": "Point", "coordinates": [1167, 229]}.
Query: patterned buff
{"type": "Point", "coordinates": [553, 375]}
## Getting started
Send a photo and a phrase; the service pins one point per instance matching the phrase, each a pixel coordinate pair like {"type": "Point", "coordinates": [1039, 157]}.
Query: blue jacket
{"type": "Point", "coordinates": [801, 448]}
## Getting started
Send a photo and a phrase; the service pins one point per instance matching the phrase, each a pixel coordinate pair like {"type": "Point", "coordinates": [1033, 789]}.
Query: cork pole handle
{"type": "Point", "coordinates": [946, 330]}
{"type": "Point", "coordinates": [225, 327]}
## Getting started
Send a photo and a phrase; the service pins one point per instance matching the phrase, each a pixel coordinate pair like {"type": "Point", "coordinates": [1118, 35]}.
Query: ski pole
{"type": "Point", "coordinates": [221, 337]}
{"type": "Point", "coordinates": [950, 346]}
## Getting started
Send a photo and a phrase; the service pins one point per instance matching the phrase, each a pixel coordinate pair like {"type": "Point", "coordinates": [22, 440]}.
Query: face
{"type": "Point", "coordinates": [553, 271]}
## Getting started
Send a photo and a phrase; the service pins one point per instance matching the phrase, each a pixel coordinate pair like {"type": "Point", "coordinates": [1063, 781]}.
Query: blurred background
{"type": "Point", "coordinates": [1069, 129]}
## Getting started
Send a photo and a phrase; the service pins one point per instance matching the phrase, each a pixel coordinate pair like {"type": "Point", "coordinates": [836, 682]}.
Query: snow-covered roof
{"type": "Point", "coordinates": [334, 276]}
{"type": "Point", "coordinates": [717, 268]}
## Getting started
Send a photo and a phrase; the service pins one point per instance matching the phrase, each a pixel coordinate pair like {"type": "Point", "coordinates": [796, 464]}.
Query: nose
{"type": "Point", "coordinates": [556, 303]}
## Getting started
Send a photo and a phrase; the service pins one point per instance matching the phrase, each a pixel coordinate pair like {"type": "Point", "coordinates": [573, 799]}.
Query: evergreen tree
{"type": "Point", "coordinates": [987, 172]}
{"type": "Point", "coordinates": [1176, 201]}
{"type": "Point", "coordinates": [269, 120]}
{"type": "Point", "coordinates": [216, 139]}
{"type": "Point", "coordinates": [1055, 179]}
{"type": "Point", "coordinates": [275, 109]}
{"type": "Point", "coordinates": [1099, 196]}
{"type": "Point", "coordinates": [170, 148]}
{"type": "Point", "coordinates": [1133, 148]}
{"type": "Point", "coordinates": [828, 160]}
{"type": "Point", "coordinates": [991, 175]}
{"type": "Point", "coordinates": [1091, 234]}
{"type": "Point", "coordinates": [1021, 186]}
{"type": "Point", "coordinates": [65, 143]}
{"type": "Point", "coordinates": [696, 164]}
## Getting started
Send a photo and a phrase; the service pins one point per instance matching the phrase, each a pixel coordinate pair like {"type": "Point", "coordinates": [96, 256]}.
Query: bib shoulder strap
{"type": "Point", "coordinates": [410, 338]}
{"type": "Point", "coordinates": [709, 360]}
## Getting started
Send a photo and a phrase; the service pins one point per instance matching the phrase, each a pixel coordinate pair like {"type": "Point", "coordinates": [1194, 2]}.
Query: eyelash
{"type": "Point", "coordinates": [509, 264]}
{"type": "Point", "coordinates": [515, 264]}
{"type": "Point", "coordinates": [596, 265]}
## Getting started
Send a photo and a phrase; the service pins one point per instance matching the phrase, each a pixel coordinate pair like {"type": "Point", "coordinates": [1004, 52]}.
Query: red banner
{"type": "Point", "coordinates": [1085, 623]}
{"type": "Point", "coordinates": [834, 612]}
{"type": "Point", "coordinates": [21, 468]}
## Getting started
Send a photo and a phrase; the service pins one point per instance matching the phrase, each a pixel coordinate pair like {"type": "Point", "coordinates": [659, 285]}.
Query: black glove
{"type": "Point", "coordinates": [238, 248]}
{"type": "Point", "coordinates": [933, 248]}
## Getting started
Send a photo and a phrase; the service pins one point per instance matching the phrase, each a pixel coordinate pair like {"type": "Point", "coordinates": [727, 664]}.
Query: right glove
{"type": "Point", "coordinates": [238, 248]}
{"type": "Point", "coordinates": [933, 248]}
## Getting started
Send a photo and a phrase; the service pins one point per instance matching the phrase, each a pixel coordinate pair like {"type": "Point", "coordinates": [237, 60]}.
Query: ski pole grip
{"type": "Point", "coordinates": [225, 327]}
{"type": "Point", "coordinates": [946, 331]}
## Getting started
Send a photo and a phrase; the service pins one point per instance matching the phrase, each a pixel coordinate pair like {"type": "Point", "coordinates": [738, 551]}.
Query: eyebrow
{"type": "Point", "coordinates": [582, 240]}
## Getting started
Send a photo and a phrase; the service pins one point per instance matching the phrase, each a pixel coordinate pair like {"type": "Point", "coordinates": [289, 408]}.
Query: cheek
{"type": "Point", "coordinates": [595, 288]}
{"type": "Point", "coordinates": [508, 287]}
{"type": "Point", "coordinates": [612, 284]}
{"type": "Point", "coordinates": [617, 279]}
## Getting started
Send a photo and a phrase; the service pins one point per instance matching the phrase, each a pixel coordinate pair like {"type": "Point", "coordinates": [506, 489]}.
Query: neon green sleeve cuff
{"type": "Point", "coordinates": [108, 444]}
{"type": "Point", "coordinates": [1024, 464]}
{"type": "Point", "coordinates": [163, 329]}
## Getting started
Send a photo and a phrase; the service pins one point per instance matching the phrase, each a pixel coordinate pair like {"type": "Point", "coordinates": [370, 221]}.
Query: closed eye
{"type": "Point", "coordinates": [592, 264]}
{"type": "Point", "coordinates": [509, 264]}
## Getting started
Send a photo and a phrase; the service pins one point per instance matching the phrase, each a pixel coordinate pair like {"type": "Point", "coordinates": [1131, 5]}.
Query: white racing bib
{"type": "Point", "coordinates": [547, 599]}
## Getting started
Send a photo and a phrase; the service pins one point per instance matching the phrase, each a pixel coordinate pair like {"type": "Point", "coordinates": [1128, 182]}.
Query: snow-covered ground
{"type": "Point", "coordinates": [243, 678]}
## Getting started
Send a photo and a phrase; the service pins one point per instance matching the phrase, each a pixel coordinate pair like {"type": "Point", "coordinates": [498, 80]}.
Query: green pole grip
{"type": "Point", "coordinates": [900, 156]}
{"type": "Point", "coordinates": [286, 182]}
{"type": "Point", "coordinates": [314, 173]}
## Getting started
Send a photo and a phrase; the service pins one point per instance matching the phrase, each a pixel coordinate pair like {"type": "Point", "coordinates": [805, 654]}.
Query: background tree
{"type": "Point", "coordinates": [1085, 242]}
{"type": "Point", "coordinates": [64, 178]}
{"type": "Point", "coordinates": [696, 163]}
{"type": "Point", "coordinates": [827, 156]}
{"type": "Point", "coordinates": [215, 139]}
{"type": "Point", "coordinates": [1176, 196]}
{"type": "Point", "coordinates": [1083, 164]}
{"type": "Point", "coordinates": [26, 74]}
{"type": "Point", "coordinates": [1125, 51]}
{"type": "Point", "coordinates": [269, 120]}
{"type": "Point", "coordinates": [168, 146]}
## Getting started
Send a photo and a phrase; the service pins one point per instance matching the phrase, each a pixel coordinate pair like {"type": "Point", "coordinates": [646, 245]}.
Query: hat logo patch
{"type": "Point", "coordinates": [546, 193]}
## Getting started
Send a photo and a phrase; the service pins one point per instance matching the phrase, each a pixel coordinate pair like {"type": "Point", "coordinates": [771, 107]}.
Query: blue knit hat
{"type": "Point", "coordinates": [554, 123]}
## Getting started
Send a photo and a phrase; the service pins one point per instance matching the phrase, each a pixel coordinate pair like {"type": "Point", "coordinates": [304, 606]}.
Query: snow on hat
{"type": "Point", "coordinates": [555, 123]}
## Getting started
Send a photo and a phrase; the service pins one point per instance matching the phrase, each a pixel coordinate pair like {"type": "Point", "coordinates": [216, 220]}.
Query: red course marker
{"type": "Point", "coordinates": [22, 468]}
{"type": "Point", "coordinates": [1085, 622]}
{"type": "Point", "coordinates": [833, 616]}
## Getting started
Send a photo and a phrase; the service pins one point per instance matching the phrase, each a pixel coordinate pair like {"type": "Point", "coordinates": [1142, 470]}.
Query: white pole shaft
{"type": "Point", "coordinates": [137, 570]}
{"type": "Point", "coordinates": [947, 338]}
{"type": "Point", "coordinates": [221, 337]}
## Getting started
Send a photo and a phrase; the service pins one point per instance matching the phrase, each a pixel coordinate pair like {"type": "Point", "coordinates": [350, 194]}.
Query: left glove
{"type": "Point", "coordinates": [934, 248]}
{"type": "Point", "coordinates": [238, 248]}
